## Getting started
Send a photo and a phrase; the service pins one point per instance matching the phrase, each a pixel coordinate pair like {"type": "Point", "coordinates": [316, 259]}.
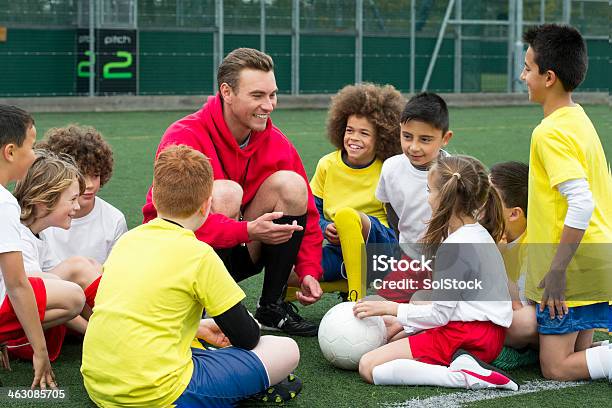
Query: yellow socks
{"type": "Point", "coordinates": [348, 224]}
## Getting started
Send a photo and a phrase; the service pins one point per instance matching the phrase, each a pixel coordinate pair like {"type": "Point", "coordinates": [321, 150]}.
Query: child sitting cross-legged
{"type": "Point", "coordinates": [462, 328]}
{"type": "Point", "coordinates": [157, 280]}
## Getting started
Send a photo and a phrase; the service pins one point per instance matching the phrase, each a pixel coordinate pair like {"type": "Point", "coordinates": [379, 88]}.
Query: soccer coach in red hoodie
{"type": "Point", "coordinates": [263, 212]}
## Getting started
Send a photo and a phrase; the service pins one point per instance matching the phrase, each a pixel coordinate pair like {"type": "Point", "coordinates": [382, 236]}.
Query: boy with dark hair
{"type": "Point", "coordinates": [569, 211]}
{"type": "Point", "coordinates": [403, 181]}
{"type": "Point", "coordinates": [145, 334]}
{"type": "Point", "coordinates": [27, 305]}
{"type": "Point", "coordinates": [97, 225]}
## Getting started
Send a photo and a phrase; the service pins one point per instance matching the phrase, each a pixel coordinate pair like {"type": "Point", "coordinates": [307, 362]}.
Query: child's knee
{"type": "Point", "coordinates": [82, 270]}
{"type": "Point", "coordinates": [73, 298]}
{"type": "Point", "coordinates": [554, 368]}
{"type": "Point", "coordinates": [366, 367]}
{"type": "Point", "coordinates": [554, 371]}
{"type": "Point", "coordinates": [290, 349]}
{"type": "Point", "coordinates": [346, 218]}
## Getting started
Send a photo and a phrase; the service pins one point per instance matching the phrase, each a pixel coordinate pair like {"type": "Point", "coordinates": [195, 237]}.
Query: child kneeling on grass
{"type": "Point", "coordinates": [459, 331]}
{"type": "Point", "coordinates": [510, 180]}
{"type": "Point", "coordinates": [157, 281]}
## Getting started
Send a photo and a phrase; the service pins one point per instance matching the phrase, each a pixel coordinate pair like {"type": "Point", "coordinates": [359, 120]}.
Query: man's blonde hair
{"type": "Point", "coordinates": [50, 175]}
{"type": "Point", "coordinates": [182, 181]}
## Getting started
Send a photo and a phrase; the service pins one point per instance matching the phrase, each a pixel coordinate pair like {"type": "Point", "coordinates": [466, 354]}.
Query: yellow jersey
{"type": "Point", "coordinates": [565, 146]}
{"type": "Point", "coordinates": [341, 186]}
{"type": "Point", "coordinates": [156, 282]}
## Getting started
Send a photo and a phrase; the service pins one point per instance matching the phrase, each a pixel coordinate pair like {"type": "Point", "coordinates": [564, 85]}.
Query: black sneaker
{"type": "Point", "coordinates": [285, 390]}
{"type": "Point", "coordinates": [284, 316]}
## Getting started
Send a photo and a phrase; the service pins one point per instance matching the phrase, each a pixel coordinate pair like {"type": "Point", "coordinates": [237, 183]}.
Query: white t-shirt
{"type": "Point", "coordinates": [405, 188]}
{"type": "Point", "coordinates": [37, 255]}
{"type": "Point", "coordinates": [10, 237]}
{"type": "Point", "coordinates": [476, 258]}
{"type": "Point", "coordinates": [92, 236]}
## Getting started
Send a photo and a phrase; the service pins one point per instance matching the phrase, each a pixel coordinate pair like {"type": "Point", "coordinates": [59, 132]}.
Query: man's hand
{"type": "Point", "coordinates": [367, 308]}
{"type": "Point", "coordinates": [311, 291]}
{"type": "Point", "coordinates": [210, 332]}
{"type": "Point", "coordinates": [264, 230]}
{"type": "Point", "coordinates": [43, 373]}
{"type": "Point", "coordinates": [554, 293]}
{"type": "Point", "coordinates": [331, 234]}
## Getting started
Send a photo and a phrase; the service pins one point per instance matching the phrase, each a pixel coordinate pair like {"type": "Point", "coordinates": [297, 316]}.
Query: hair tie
{"type": "Point", "coordinates": [457, 175]}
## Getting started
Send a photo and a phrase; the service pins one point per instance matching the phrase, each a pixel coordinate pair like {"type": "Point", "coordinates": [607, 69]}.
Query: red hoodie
{"type": "Point", "coordinates": [267, 152]}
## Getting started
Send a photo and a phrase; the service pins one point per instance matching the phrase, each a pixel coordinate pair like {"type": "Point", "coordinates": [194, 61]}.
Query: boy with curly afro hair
{"type": "Point", "coordinates": [364, 125]}
{"type": "Point", "coordinates": [97, 225]}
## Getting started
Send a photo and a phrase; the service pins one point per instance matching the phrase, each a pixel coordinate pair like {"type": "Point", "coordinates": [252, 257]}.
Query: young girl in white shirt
{"type": "Point", "coordinates": [460, 329]}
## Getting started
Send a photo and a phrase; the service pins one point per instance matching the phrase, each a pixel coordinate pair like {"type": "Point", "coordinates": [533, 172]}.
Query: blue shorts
{"type": "Point", "coordinates": [579, 318]}
{"type": "Point", "coordinates": [332, 261]}
{"type": "Point", "coordinates": [223, 377]}
{"type": "Point", "coordinates": [610, 319]}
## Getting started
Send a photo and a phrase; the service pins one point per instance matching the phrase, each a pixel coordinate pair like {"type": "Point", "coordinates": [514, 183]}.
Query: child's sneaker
{"type": "Point", "coordinates": [480, 375]}
{"type": "Point", "coordinates": [285, 390]}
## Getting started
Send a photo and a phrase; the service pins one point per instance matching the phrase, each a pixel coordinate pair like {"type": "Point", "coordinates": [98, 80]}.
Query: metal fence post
{"type": "Point", "coordinates": [567, 11]}
{"type": "Point", "coordinates": [262, 25]}
{"type": "Point", "coordinates": [458, 47]}
{"type": "Point", "coordinates": [412, 44]}
{"type": "Point", "coordinates": [92, 48]}
{"type": "Point", "coordinates": [295, 48]}
{"type": "Point", "coordinates": [218, 51]}
{"type": "Point", "coordinates": [434, 56]}
{"type": "Point", "coordinates": [518, 48]}
{"type": "Point", "coordinates": [358, 41]}
{"type": "Point", "coordinates": [510, 54]}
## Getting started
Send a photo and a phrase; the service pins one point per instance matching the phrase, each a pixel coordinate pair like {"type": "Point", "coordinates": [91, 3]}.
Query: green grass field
{"type": "Point", "coordinates": [490, 134]}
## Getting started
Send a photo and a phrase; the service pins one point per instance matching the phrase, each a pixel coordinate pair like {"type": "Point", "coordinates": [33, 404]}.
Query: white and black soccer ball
{"type": "Point", "coordinates": [343, 338]}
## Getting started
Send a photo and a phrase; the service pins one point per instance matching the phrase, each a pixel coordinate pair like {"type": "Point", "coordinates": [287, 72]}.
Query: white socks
{"type": "Point", "coordinates": [599, 361]}
{"type": "Point", "coordinates": [411, 372]}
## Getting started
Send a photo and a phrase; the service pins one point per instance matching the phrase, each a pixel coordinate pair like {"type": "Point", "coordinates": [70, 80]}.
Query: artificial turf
{"type": "Point", "coordinates": [490, 134]}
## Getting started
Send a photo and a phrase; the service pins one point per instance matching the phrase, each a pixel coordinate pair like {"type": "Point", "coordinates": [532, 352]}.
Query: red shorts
{"type": "Point", "coordinates": [12, 333]}
{"type": "Point", "coordinates": [437, 346]}
{"type": "Point", "coordinates": [91, 291]}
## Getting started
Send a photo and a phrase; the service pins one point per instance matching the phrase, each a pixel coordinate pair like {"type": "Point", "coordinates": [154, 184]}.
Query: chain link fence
{"type": "Point", "coordinates": [172, 47]}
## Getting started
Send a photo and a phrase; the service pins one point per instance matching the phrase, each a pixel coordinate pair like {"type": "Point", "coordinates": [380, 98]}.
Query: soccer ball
{"type": "Point", "coordinates": [343, 338]}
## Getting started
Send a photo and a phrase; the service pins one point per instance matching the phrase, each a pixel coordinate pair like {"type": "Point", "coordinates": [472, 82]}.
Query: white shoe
{"type": "Point", "coordinates": [480, 375]}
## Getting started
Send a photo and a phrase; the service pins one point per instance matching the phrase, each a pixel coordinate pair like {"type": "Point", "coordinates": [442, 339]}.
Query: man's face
{"type": "Point", "coordinates": [248, 107]}
{"type": "Point", "coordinates": [536, 82]}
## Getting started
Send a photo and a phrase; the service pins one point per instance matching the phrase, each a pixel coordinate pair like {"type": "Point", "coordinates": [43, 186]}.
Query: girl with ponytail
{"type": "Point", "coordinates": [452, 337]}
